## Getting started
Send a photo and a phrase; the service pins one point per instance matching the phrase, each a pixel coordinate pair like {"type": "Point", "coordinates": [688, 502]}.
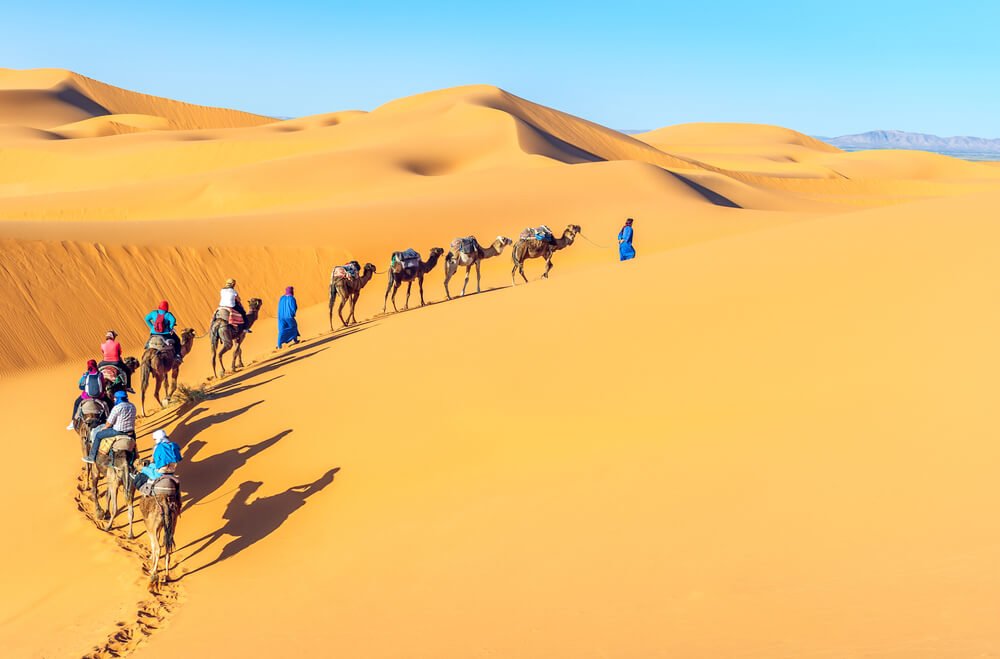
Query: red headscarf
{"type": "Point", "coordinates": [92, 365]}
{"type": "Point", "coordinates": [164, 306]}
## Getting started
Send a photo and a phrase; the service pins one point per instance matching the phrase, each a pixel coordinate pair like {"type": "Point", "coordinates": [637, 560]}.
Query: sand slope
{"type": "Point", "coordinates": [769, 435]}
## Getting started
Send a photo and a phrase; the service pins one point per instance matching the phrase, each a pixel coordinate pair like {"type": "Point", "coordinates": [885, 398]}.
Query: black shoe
{"type": "Point", "coordinates": [130, 390]}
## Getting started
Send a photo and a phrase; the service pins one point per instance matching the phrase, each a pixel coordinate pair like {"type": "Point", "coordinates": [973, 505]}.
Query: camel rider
{"type": "Point", "coordinates": [91, 386]}
{"type": "Point", "coordinates": [229, 299]}
{"type": "Point", "coordinates": [112, 351]}
{"type": "Point", "coordinates": [166, 455]}
{"type": "Point", "coordinates": [162, 323]}
{"type": "Point", "coordinates": [121, 421]}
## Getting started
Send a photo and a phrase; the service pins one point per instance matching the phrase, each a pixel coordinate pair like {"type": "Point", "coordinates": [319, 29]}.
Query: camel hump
{"type": "Point", "coordinates": [158, 342]}
{"type": "Point", "coordinates": [405, 260]}
{"type": "Point", "coordinates": [167, 486]}
{"type": "Point", "coordinates": [116, 443]}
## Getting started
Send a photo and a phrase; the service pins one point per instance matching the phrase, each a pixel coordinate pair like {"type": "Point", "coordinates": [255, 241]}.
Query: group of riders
{"type": "Point", "coordinates": [103, 409]}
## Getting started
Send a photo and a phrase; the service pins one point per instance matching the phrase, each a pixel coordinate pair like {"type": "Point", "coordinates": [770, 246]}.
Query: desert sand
{"type": "Point", "coordinates": [769, 435]}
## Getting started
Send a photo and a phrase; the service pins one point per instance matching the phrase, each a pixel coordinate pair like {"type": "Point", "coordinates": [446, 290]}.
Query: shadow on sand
{"type": "Point", "coordinates": [249, 522]}
{"type": "Point", "coordinates": [202, 478]}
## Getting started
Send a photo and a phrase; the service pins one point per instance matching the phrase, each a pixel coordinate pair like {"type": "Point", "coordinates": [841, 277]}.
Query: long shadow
{"type": "Point", "coordinates": [254, 521]}
{"type": "Point", "coordinates": [224, 392]}
{"type": "Point", "coordinates": [273, 363]}
{"type": "Point", "coordinates": [190, 426]}
{"type": "Point", "coordinates": [202, 478]}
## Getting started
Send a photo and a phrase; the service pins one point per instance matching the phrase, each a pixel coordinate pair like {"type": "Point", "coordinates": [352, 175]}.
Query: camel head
{"type": "Point", "coordinates": [255, 303]}
{"type": "Point", "coordinates": [573, 229]}
{"type": "Point", "coordinates": [132, 363]}
{"type": "Point", "coordinates": [502, 241]}
{"type": "Point", "coordinates": [436, 252]}
{"type": "Point", "coordinates": [187, 339]}
{"type": "Point", "coordinates": [370, 269]}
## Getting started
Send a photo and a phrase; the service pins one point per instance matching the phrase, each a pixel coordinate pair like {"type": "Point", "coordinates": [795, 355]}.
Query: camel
{"type": "Point", "coordinates": [160, 511]}
{"type": "Point", "coordinates": [532, 248]}
{"type": "Point", "coordinates": [118, 469]}
{"type": "Point", "coordinates": [349, 290]}
{"type": "Point", "coordinates": [161, 364]}
{"type": "Point", "coordinates": [222, 331]}
{"type": "Point", "coordinates": [456, 258]}
{"type": "Point", "coordinates": [398, 274]}
{"type": "Point", "coordinates": [114, 379]}
{"type": "Point", "coordinates": [92, 413]}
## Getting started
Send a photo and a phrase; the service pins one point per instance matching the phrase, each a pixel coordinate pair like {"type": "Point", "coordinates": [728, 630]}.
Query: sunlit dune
{"type": "Point", "coordinates": [768, 435]}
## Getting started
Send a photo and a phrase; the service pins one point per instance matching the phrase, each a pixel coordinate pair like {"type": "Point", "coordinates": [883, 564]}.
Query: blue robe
{"type": "Point", "coordinates": [288, 329]}
{"type": "Point", "coordinates": [625, 249]}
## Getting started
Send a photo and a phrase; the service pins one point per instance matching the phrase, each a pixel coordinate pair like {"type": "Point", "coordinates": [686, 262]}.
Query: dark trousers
{"type": "Point", "coordinates": [76, 405]}
{"type": "Point", "coordinates": [101, 434]}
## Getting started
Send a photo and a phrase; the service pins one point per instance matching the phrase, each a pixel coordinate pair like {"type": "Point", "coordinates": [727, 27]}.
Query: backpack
{"type": "Point", "coordinates": [160, 323]}
{"type": "Point", "coordinates": [92, 384]}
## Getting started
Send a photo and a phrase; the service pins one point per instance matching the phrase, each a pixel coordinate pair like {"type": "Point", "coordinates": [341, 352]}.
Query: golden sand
{"type": "Point", "coordinates": [769, 435]}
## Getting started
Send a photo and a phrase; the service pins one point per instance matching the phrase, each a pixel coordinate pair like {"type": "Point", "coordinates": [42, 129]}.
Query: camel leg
{"type": "Point", "coordinates": [468, 270]}
{"type": "Point", "coordinates": [513, 282]}
{"type": "Point", "coordinates": [112, 493]}
{"type": "Point", "coordinates": [520, 269]}
{"type": "Point", "coordinates": [448, 273]}
{"type": "Point", "coordinates": [420, 285]}
{"type": "Point", "coordinates": [154, 544]}
{"type": "Point", "coordinates": [98, 511]}
{"type": "Point", "coordinates": [548, 266]}
{"type": "Point", "coordinates": [166, 566]}
{"type": "Point", "coordinates": [173, 383]}
{"type": "Point", "coordinates": [236, 354]}
{"type": "Point", "coordinates": [409, 287]}
{"type": "Point", "coordinates": [130, 501]}
{"type": "Point", "coordinates": [388, 289]}
{"type": "Point", "coordinates": [354, 305]}
{"type": "Point", "coordinates": [226, 347]}
{"type": "Point", "coordinates": [479, 278]}
{"type": "Point", "coordinates": [340, 310]}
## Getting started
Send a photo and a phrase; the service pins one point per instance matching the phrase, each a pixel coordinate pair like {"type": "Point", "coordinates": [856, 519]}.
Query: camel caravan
{"type": "Point", "coordinates": [408, 266]}
{"type": "Point", "coordinates": [104, 418]}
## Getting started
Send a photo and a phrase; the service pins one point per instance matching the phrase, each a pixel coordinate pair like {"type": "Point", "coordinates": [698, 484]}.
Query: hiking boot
{"type": "Point", "coordinates": [130, 390]}
{"type": "Point", "coordinates": [70, 427]}
{"type": "Point", "coordinates": [89, 460]}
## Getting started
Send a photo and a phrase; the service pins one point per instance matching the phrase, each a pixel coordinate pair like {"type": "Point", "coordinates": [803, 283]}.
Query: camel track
{"type": "Point", "coordinates": [151, 613]}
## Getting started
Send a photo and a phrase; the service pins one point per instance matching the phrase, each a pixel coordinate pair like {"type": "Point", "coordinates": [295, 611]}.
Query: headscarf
{"type": "Point", "coordinates": [628, 222]}
{"type": "Point", "coordinates": [91, 365]}
{"type": "Point", "coordinates": [289, 290]}
{"type": "Point", "coordinates": [164, 306]}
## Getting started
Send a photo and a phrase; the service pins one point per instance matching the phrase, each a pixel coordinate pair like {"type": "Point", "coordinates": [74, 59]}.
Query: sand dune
{"type": "Point", "coordinates": [773, 423]}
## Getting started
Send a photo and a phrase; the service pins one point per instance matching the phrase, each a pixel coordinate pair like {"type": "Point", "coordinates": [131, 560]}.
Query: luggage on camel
{"type": "Point", "coordinates": [465, 245]}
{"type": "Point", "coordinates": [114, 376]}
{"type": "Point", "coordinates": [116, 443]}
{"type": "Point", "coordinates": [157, 342]}
{"type": "Point", "coordinates": [406, 260]}
{"type": "Point", "coordinates": [347, 271]}
{"type": "Point", "coordinates": [542, 233]}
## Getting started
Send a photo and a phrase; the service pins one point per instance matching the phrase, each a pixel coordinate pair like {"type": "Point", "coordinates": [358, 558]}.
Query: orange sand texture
{"type": "Point", "coordinates": [770, 435]}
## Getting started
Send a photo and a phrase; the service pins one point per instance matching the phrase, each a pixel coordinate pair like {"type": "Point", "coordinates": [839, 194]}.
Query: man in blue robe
{"type": "Point", "coordinates": [625, 249]}
{"type": "Point", "coordinates": [288, 329]}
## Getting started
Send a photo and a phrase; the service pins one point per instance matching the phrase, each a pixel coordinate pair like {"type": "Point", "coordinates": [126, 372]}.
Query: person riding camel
{"type": "Point", "coordinates": [166, 455]}
{"type": "Point", "coordinates": [229, 299]}
{"type": "Point", "coordinates": [121, 421]}
{"type": "Point", "coordinates": [162, 323]}
{"type": "Point", "coordinates": [91, 386]}
{"type": "Point", "coordinates": [112, 351]}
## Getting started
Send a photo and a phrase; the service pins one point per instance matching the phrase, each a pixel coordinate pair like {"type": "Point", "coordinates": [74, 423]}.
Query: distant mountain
{"type": "Point", "coordinates": [897, 139]}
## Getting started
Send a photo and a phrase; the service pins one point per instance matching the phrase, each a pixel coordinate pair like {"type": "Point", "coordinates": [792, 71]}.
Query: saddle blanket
{"type": "Point", "coordinates": [232, 316]}
{"type": "Point", "coordinates": [465, 245]}
{"type": "Point", "coordinates": [117, 443]}
{"type": "Point", "coordinates": [165, 484]}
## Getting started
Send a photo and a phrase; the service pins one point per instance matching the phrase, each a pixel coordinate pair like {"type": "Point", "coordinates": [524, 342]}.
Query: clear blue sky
{"type": "Point", "coordinates": [826, 68]}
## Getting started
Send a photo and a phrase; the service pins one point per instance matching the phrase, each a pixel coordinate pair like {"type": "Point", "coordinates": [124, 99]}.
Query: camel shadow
{"type": "Point", "coordinates": [202, 478]}
{"type": "Point", "coordinates": [229, 390]}
{"type": "Point", "coordinates": [251, 522]}
{"type": "Point", "coordinates": [189, 427]}
{"type": "Point", "coordinates": [307, 349]}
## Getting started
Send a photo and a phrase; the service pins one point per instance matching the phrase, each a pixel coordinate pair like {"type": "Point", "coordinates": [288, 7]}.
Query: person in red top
{"type": "Point", "coordinates": [112, 351]}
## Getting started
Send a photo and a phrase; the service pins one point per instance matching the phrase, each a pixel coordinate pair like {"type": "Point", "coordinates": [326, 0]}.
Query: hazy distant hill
{"type": "Point", "coordinates": [897, 139]}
